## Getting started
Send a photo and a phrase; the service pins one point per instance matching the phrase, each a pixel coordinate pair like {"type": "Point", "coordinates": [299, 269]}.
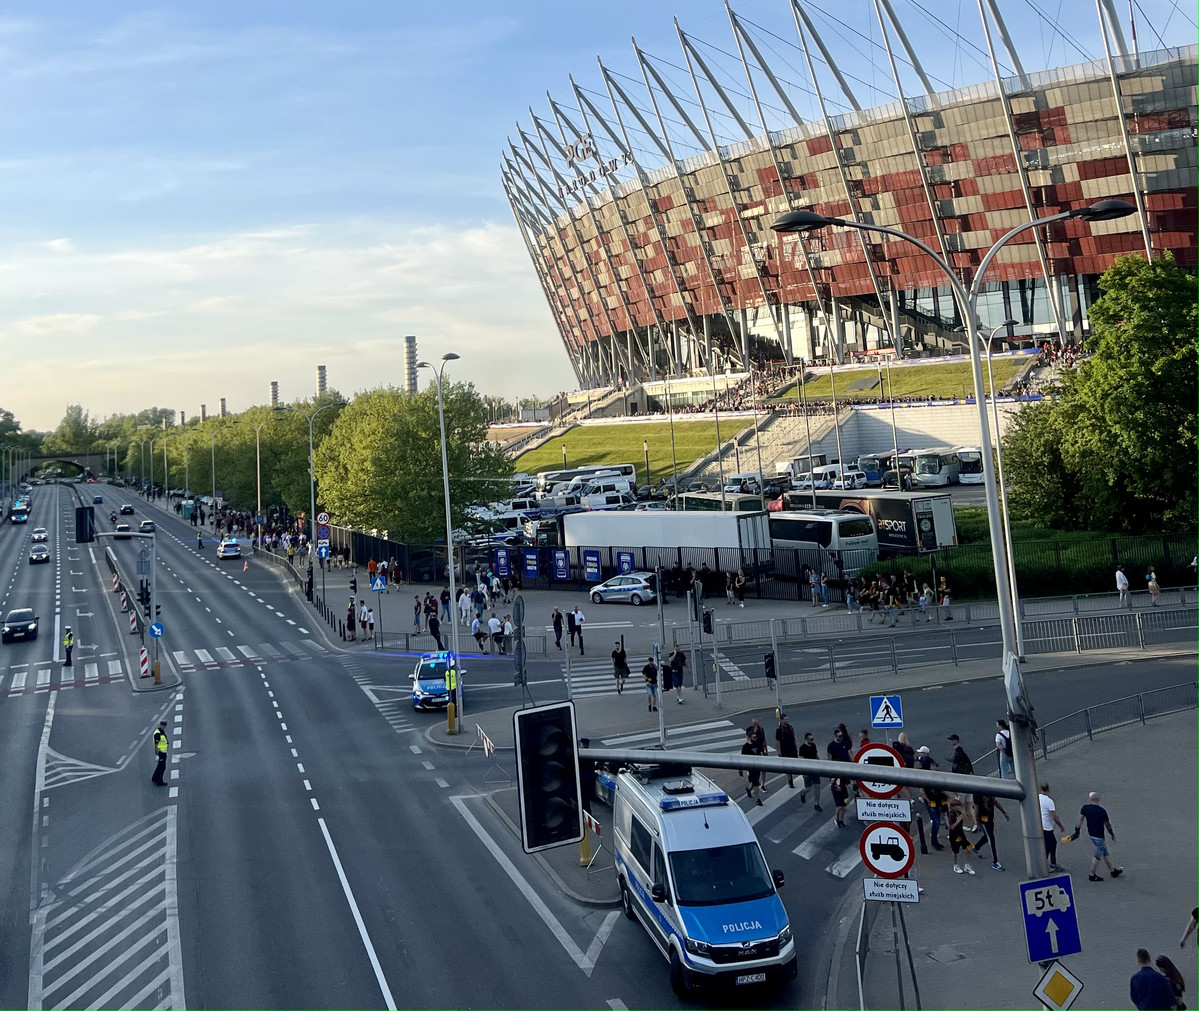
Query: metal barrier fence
{"type": "Point", "coordinates": [839, 659]}
{"type": "Point", "coordinates": [422, 642]}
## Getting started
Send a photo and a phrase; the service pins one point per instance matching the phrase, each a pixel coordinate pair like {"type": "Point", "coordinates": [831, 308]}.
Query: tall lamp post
{"type": "Point", "coordinates": [439, 377]}
{"type": "Point", "coordinates": [1019, 707]}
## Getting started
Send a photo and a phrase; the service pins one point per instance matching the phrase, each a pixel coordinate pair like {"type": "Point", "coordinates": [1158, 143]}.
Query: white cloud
{"type": "Point", "coordinates": [74, 323]}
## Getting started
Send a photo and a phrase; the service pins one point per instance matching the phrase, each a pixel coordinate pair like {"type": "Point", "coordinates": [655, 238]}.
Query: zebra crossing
{"type": "Point", "coordinates": [49, 678]}
{"type": "Point", "coordinates": [245, 655]}
{"type": "Point", "coordinates": [590, 679]}
{"type": "Point", "coordinates": [394, 702]}
{"type": "Point", "coordinates": [811, 835]}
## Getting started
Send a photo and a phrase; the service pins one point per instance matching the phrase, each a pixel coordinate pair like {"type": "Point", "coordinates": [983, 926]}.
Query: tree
{"type": "Point", "coordinates": [1115, 449]}
{"type": "Point", "coordinates": [76, 433]}
{"type": "Point", "coordinates": [380, 466]}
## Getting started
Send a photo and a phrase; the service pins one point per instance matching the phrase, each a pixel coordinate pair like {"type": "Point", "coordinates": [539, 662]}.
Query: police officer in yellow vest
{"type": "Point", "coordinates": [160, 752]}
{"type": "Point", "coordinates": [68, 642]}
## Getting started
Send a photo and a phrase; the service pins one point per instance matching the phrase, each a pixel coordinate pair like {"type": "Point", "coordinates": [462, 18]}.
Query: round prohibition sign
{"type": "Point", "coordinates": [887, 849]}
{"type": "Point", "coordinates": [877, 753]}
{"type": "Point", "coordinates": [322, 518]}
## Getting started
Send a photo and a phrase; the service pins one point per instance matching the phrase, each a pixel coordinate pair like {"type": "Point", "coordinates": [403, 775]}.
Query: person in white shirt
{"type": "Point", "coordinates": [496, 628]}
{"type": "Point", "coordinates": [509, 633]}
{"type": "Point", "coordinates": [1122, 586]}
{"type": "Point", "coordinates": [579, 619]}
{"type": "Point", "coordinates": [464, 606]}
{"type": "Point", "coordinates": [479, 632]}
{"type": "Point", "coordinates": [1049, 820]}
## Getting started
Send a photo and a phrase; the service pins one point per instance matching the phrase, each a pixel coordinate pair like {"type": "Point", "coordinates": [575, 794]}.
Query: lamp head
{"type": "Point", "coordinates": [1010, 322]}
{"type": "Point", "coordinates": [799, 221]}
{"type": "Point", "coordinates": [423, 365]}
{"type": "Point", "coordinates": [449, 356]}
{"type": "Point", "coordinates": [1105, 210]}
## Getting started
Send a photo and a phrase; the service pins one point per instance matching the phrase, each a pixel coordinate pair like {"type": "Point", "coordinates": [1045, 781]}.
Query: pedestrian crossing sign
{"type": "Point", "coordinates": [378, 584]}
{"type": "Point", "coordinates": [886, 712]}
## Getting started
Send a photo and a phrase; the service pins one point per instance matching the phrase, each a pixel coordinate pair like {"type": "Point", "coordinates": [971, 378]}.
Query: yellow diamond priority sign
{"type": "Point", "coordinates": [1059, 988]}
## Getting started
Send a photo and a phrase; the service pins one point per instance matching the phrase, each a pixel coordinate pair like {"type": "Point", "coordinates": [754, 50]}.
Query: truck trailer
{"type": "Point", "coordinates": [905, 521]}
{"type": "Point", "coordinates": [666, 528]}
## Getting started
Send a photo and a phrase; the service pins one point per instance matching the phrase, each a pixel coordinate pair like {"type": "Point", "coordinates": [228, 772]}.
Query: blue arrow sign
{"type": "Point", "coordinates": [378, 584]}
{"type": "Point", "coordinates": [1050, 918]}
{"type": "Point", "coordinates": [156, 630]}
{"type": "Point", "coordinates": [886, 711]}
{"type": "Point", "coordinates": [322, 551]}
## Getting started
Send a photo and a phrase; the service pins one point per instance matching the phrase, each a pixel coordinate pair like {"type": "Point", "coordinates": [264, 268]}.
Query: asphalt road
{"type": "Point", "coordinates": [311, 850]}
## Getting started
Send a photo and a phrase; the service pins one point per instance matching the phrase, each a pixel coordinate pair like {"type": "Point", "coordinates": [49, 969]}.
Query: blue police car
{"type": "Point", "coordinates": [429, 689]}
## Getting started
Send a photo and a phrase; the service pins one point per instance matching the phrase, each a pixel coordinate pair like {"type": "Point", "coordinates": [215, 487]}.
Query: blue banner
{"type": "Point", "coordinates": [532, 563]}
{"type": "Point", "coordinates": [625, 561]}
{"type": "Point", "coordinates": [561, 563]}
{"type": "Point", "coordinates": [591, 566]}
{"type": "Point", "coordinates": [502, 564]}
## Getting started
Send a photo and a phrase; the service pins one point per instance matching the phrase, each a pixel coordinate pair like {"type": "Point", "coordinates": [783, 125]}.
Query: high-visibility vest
{"type": "Point", "coordinates": [69, 639]}
{"type": "Point", "coordinates": [160, 742]}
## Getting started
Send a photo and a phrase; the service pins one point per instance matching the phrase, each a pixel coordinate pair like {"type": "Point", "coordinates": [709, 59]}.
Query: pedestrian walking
{"type": "Point", "coordinates": [1098, 823]}
{"type": "Point", "coordinates": [758, 733]}
{"type": "Point", "coordinates": [418, 608]}
{"type": "Point", "coordinates": [1179, 985]}
{"type": "Point", "coordinates": [960, 764]}
{"type": "Point", "coordinates": [809, 750]}
{"type": "Point", "coordinates": [495, 628]}
{"type": "Point", "coordinates": [678, 669]}
{"type": "Point", "coordinates": [957, 836]}
{"type": "Point", "coordinates": [571, 629]}
{"type": "Point", "coordinates": [351, 624]}
{"type": "Point", "coordinates": [620, 666]}
{"type": "Point", "coordinates": [943, 595]}
{"type": "Point", "coordinates": [729, 591]}
{"type": "Point", "coordinates": [1050, 821]}
{"type": "Point", "coordinates": [890, 607]}
{"type": "Point", "coordinates": [785, 744]}
{"type": "Point", "coordinates": [1155, 591]}
{"type": "Point", "coordinates": [68, 643]}
{"type": "Point", "coordinates": [381, 572]}
{"type": "Point", "coordinates": [934, 799]}
{"type": "Point", "coordinates": [1122, 587]}
{"type": "Point", "coordinates": [1003, 749]}
{"type": "Point", "coordinates": [754, 787]}
{"type": "Point", "coordinates": [926, 603]}
{"type": "Point", "coordinates": [985, 807]}
{"type": "Point", "coordinates": [160, 754]}
{"type": "Point", "coordinates": [556, 621]}
{"type": "Point", "coordinates": [839, 788]}
{"type": "Point", "coordinates": [435, 631]}
{"type": "Point", "coordinates": [1148, 989]}
{"type": "Point", "coordinates": [370, 622]}
{"type": "Point", "coordinates": [479, 631]}
{"type": "Point", "coordinates": [445, 603]}
{"type": "Point", "coordinates": [739, 587]}
{"type": "Point", "coordinates": [464, 607]}
{"type": "Point", "coordinates": [650, 673]}
{"type": "Point", "coordinates": [579, 619]}
{"type": "Point", "coordinates": [509, 633]}
{"type": "Point", "coordinates": [362, 617]}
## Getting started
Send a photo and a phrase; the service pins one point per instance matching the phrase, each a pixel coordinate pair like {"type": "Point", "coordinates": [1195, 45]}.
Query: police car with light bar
{"type": "Point", "coordinates": [429, 689]}
{"type": "Point", "coordinates": [691, 870]}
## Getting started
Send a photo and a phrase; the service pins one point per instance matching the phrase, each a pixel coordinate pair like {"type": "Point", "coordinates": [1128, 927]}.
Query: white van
{"type": "Point", "coordinates": [690, 868]}
{"type": "Point", "coordinates": [607, 486]}
{"type": "Point", "coordinates": [749, 483]}
{"type": "Point", "coordinates": [607, 501]}
{"type": "Point", "coordinates": [849, 480]}
{"type": "Point", "coordinates": [822, 477]}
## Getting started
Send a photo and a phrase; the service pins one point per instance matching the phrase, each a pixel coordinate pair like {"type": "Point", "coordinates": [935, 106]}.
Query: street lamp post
{"type": "Point", "coordinates": [438, 375]}
{"type": "Point", "coordinates": [1007, 522]}
{"type": "Point", "coordinates": [645, 450]}
{"type": "Point", "coordinates": [1019, 707]}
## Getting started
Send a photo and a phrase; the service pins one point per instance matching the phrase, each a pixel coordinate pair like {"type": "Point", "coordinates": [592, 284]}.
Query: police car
{"type": "Point", "coordinates": [228, 548]}
{"type": "Point", "coordinates": [629, 587]}
{"type": "Point", "coordinates": [429, 690]}
{"type": "Point", "coordinates": [691, 870]}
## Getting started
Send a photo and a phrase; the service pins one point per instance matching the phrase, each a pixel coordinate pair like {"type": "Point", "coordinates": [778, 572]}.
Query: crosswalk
{"type": "Point", "coordinates": [811, 835]}
{"type": "Point", "coordinates": [590, 679]}
{"type": "Point", "coordinates": [48, 678]}
{"type": "Point", "coordinates": [394, 702]}
{"type": "Point", "coordinates": [245, 655]}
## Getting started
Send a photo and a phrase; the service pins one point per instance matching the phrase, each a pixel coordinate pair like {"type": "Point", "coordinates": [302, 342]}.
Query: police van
{"type": "Point", "coordinates": [691, 870]}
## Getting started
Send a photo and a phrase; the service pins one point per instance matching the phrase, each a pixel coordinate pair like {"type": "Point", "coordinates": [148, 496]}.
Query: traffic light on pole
{"type": "Point", "coordinates": [708, 622]}
{"type": "Point", "coordinates": [768, 666]}
{"type": "Point", "coordinates": [547, 771]}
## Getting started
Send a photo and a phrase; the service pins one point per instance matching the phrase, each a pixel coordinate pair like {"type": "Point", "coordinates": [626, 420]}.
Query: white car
{"type": "Point", "coordinates": [228, 548]}
{"type": "Point", "coordinates": [39, 535]}
{"type": "Point", "coordinates": [850, 479]}
{"type": "Point", "coordinates": [635, 588]}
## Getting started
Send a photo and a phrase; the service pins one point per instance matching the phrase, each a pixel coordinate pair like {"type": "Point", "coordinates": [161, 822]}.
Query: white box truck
{"type": "Point", "coordinates": [665, 528]}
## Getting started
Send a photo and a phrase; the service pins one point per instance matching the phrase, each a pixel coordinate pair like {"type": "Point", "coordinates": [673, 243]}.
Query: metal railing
{"type": "Point", "coordinates": [422, 642]}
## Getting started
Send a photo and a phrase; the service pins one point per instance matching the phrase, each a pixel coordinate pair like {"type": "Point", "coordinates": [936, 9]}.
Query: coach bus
{"type": "Point", "coordinates": [936, 467]}
{"type": "Point", "coordinates": [970, 465]}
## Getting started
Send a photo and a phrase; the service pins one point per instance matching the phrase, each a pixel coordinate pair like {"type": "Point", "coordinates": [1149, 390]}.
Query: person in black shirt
{"type": "Point", "coordinates": [620, 666]}
{"type": "Point", "coordinates": [650, 673]}
{"type": "Point", "coordinates": [808, 750]}
{"type": "Point", "coordinates": [1097, 823]}
{"type": "Point", "coordinates": [985, 806]}
{"type": "Point", "coordinates": [785, 744]}
{"type": "Point", "coordinates": [750, 747]}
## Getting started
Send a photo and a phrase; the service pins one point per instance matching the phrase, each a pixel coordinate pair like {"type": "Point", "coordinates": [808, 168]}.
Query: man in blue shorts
{"type": "Point", "coordinates": [1097, 823]}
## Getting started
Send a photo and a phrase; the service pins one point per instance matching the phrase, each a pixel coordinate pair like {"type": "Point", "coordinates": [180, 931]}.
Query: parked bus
{"type": "Point", "coordinates": [874, 466]}
{"type": "Point", "coordinates": [848, 537]}
{"type": "Point", "coordinates": [936, 467]}
{"type": "Point", "coordinates": [970, 465]}
{"type": "Point", "coordinates": [712, 501]}
{"type": "Point", "coordinates": [547, 480]}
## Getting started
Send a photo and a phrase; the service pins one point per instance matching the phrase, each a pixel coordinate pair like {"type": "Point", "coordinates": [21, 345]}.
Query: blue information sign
{"type": "Point", "coordinates": [886, 711]}
{"type": "Point", "coordinates": [532, 563]}
{"type": "Point", "coordinates": [591, 566]}
{"type": "Point", "coordinates": [156, 630]}
{"type": "Point", "coordinates": [322, 551]}
{"type": "Point", "coordinates": [1050, 918]}
{"type": "Point", "coordinates": [561, 563]}
{"type": "Point", "coordinates": [503, 565]}
{"type": "Point", "coordinates": [625, 561]}
{"type": "Point", "coordinates": [378, 584]}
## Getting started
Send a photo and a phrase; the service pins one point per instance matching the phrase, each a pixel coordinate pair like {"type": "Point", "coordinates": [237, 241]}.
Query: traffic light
{"type": "Point", "coordinates": [547, 772]}
{"type": "Point", "coordinates": [157, 610]}
{"type": "Point", "coordinates": [85, 524]}
{"type": "Point", "coordinates": [768, 666]}
{"type": "Point", "coordinates": [708, 622]}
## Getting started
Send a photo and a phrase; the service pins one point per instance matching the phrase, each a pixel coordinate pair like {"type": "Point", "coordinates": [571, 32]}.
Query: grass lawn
{"type": "Point", "coordinates": [953, 379]}
{"type": "Point", "coordinates": [972, 529]}
{"type": "Point", "coordinates": [600, 444]}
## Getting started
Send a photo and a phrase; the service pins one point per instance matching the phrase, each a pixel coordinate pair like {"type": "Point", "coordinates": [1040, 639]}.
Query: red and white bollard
{"type": "Point", "coordinates": [145, 661]}
{"type": "Point", "coordinates": [124, 603]}
{"type": "Point", "coordinates": [133, 622]}
{"type": "Point", "coordinates": [116, 583]}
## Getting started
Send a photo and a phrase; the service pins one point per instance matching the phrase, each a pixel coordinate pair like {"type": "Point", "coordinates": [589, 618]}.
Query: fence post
{"type": "Point", "coordinates": [1140, 631]}
{"type": "Point", "coordinates": [1077, 640]}
{"type": "Point", "coordinates": [953, 645]}
{"type": "Point", "coordinates": [894, 658]}
{"type": "Point", "coordinates": [1086, 718]}
{"type": "Point", "coordinates": [1141, 706]}
{"type": "Point", "coordinates": [832, 664]}
{"type": "Point", "coordinates": [803, 628]}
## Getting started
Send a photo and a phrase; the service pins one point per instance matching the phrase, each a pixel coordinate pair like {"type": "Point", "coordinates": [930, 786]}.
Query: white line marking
{"type": "Point", "coordinates": [428, 765]}
{"type": "Point", "coordinates": [815, 842]}
{"type": "Point", "coordinates": [441, 782]}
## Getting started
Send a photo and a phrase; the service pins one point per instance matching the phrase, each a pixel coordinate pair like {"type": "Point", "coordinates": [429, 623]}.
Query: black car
{"type": "Point", "coordinates": [21, 623]}
{"type": "Point", "coordinates": [39, 554]}
{"type": "Point", "coordinates": [126, 509]}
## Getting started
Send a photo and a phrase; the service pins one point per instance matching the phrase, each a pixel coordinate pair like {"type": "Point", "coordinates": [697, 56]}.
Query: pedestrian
{"type": "Point", "coordinates": [1003, 749]}
{"type": "Point", "coordinates": [838, 748]}
{"type": "Point", "coordinates": [362, 617]}
{"type": "Point", "coordinates": [985, 807]}
{"type": "Point", "coordinates": [758, 733]}
{"type": "Point", "coordinates": [417, 610]}
{"type": "Point", "coordinates": [620, 666]}
{"type": "Point", "coordinates": [571, 628]}
{"type": "Point", "coordinates": [381, 571]}
{"type": "Point", "coordinates": [370, 622]}
{"type": "Point", "coordinates": [1155, 591]}
{"type": "Point", "coordinates": [650, 673]}
{"type": "Point", "coordinates": [1148, 989]}
{"type": "Point", "coordinates": [351, 624]}
{"type": "Point", "coordinates": [934, 798]}
{"type": "Point", "coordinates": [160, 754]}
{"type": "Point", "coordinates": [943, 596]}
{"type": "Point", "coordinates": [728, 589]}
{"type": "Point", "coordinates": [1122, 587]}
{"type": "Point", "coordinates": [926, 603]}
{"type": "Point", "coordinates": [1177, 983]}
{"type": "Point", "coordinates": [464, 606]}
{"type": "Point", "coordinates": [890, 606]}
{"type": "Point", "coordinates": [435, 631]}
{"type": "Point", "coordinates": [754, 787]}
{"type": "Point", "coordinates": [1050, 820]}
{"type": "Point", "coordinates": [957, 837]}
{"type": "Point", "coordinates": [1192, 924]}
{"type": "Point", "coordinates": [1098, 823]}
{"type": "Point", "coordinates": [68, 643]}
{"type": "Point", "coordinates": [809, 751]}
{"type": "Point", "coordinates": [840, 791]}
{"type": "Point", "coordinates": [556, 621]}
{"type": "Point", "coordinates": [960, 764]}
{"type": "Point", "coordinates": [579, 619]}
{"type": "Point", "coordinates": [372, 567]}
{"type": "Point", "coordinates": [678, 669]}
{"type": "Point", "coordinates": [786, 745]}
{"type": "Point", "coordinates": [739, 587]}
{"type": "Point", "coordinates": [814, 587]}
{"type": "Point", "coordinates": [200, 541]}
{"type": "Point", "coordinates": [509, 633]}
{"type": "Point", "coordinates": [445, 603]}
{"type": "Point", "coordinates": [479, 631]}
{"type": "Point", "coordinates": [851, 600]}
{"type": "Point", "coordinates": [823, 589]}
{"type": "Point", "coordinates": [496, 629]}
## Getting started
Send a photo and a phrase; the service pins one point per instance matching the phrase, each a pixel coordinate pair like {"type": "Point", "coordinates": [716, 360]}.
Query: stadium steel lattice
{"type": "Point", "coordinates": [655, 264]}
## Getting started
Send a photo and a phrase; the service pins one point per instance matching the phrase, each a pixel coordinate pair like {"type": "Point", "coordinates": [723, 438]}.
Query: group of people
{"type": "Point", "coordinates": [670, 674]}
{"type": "Point", "coordinates": [1151, 584]}
{"type": "Point", "coordinates": [495, 635]}
{"type": "Point", "coordinates": [886, 598]}
{"type": "Point", "coordinates": [361, 617]}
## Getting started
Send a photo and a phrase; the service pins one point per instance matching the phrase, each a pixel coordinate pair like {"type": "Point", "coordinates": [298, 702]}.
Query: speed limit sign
{"type": "Point", "coordinates": [322, 517]}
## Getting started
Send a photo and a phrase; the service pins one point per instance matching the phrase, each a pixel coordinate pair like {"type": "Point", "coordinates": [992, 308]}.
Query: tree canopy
{"type": "Point", "coordinates": [1115, 448]}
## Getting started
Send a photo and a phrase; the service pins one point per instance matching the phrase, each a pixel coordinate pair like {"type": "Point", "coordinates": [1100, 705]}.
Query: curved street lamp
{"type": "Point", "coordinates": [1020, 709]}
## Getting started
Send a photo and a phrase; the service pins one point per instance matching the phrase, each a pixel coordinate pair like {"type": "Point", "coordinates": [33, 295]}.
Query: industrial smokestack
{"type": "Point", "coordinates": [224, 409]}
{"type": "Point", "coordinates": [410, 363]}
{"type": "Point", "coordinates": [274, 393]}
{"type": "Point", "coordinates": [182, 419]}
{"type": "Point", "coordinates": [320, 380]}
{"type": "Point", "coordinates": [203, 412]}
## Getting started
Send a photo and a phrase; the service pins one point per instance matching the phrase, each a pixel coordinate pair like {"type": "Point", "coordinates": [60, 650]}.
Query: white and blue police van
{"type": "Point", "coordinates": [691, 870]}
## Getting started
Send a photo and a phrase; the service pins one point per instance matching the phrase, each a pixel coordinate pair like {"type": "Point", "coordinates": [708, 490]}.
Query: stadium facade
{"type": "Point", "coordinates": [658, 264]}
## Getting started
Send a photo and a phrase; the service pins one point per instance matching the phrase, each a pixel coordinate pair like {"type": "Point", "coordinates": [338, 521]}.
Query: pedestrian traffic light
{"type": "Point", "coordinates": [157, 610]}
{"type": "Point", "coordinates": [547, 771]}
{"type": "Point", "coordinates": [768, 666]}
{"type": "Point", "coordinates": [708, 622]}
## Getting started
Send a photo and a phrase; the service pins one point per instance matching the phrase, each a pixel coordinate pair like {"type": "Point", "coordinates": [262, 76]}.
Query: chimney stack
{"type": "Point", "coordinates": [320, 380]}
{"type": "Point", "coordinates": [410, 363]}
{"type": "Point", "coordinates": [274, 393]}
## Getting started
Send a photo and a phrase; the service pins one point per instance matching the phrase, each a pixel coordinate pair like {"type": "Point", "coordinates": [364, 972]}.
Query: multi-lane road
{"type": "Point", "coordinates": [311, 849]}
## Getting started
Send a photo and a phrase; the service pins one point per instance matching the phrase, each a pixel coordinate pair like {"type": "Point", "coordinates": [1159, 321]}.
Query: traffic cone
{"type": "Point", "coordinates": [245, 566]}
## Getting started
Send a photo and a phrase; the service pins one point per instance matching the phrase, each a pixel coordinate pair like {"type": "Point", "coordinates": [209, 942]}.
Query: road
{"type": "Point", "coordinates": [311, 849]}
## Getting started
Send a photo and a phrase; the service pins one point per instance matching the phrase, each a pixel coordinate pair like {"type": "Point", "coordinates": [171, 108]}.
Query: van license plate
{"type": "Point", "coordinates": [751, 977]}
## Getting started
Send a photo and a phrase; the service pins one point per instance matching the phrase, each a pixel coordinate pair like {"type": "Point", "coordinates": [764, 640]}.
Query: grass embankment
{"type": "Point", "coordinates": [590, 445]}
{"type": "Point", "coordinates": [953, 379]}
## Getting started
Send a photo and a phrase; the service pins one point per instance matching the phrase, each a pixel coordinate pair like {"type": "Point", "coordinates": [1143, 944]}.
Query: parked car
{"type": "Point", "coordinates": [850, 479]}
{"type": "Point", "coordinates": [632, 587]}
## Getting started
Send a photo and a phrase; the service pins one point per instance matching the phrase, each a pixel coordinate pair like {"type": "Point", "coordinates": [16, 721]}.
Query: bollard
{"type": "Point", "coordinates": [451, 728]}
{"type": "Point", "coordinates": [124, 603]}
{"type": "Point", "coordinates": [133, 622]}
{"type": "Point", "coordinates": [585, 847]}
{"type": "Point", "coordinates": [144, 658]}
{"type": "Point", "coordinates": [157, 672]}
{"type": "Point", "coordinates": [116, 583]}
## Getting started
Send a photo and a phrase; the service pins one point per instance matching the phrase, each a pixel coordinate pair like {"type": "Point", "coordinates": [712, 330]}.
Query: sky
{"type": "Point", "coordinates": [197, 199]}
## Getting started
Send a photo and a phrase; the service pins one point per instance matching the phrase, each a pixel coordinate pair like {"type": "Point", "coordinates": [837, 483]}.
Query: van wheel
{"type": "Point", "coordinates": [635, 600]}
{"type": "Point", "coordinates": [678, 978]}
{"type": "Point", "coordinates": [626, 902]}
{"type": "Point", "coordinates": [596, 599]}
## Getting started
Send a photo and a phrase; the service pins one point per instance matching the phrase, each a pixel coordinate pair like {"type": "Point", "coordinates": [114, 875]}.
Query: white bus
{"type": "Point", "coordinates": [970, 465]}
{"type": "Point", "coordinates": [849, 537]}
{"type": "Point", "coordinates": [547, 480]}
{"type": "Point", "coordinates": [935, 467]}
